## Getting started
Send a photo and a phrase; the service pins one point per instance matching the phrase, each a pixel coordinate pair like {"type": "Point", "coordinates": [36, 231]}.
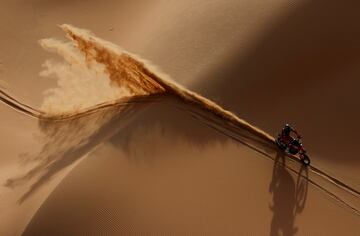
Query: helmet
{"type": "Point", "coordinates": [287, 129]}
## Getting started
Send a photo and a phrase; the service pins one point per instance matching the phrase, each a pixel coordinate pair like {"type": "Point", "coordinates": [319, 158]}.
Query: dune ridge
{"type": "Point", "coordinates": [144, 83]}
{"type": "Point", "coordinates": [124, 70]}
{"type": "Point", "coordinates": [114, 58]}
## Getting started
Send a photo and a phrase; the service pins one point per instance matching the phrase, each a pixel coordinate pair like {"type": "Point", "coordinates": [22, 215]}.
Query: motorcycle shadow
{"type": "Point", "coordinates": [289, 197]}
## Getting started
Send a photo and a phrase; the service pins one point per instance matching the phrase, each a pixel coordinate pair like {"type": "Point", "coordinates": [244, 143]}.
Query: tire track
{"type": "Point", "coordinates": [238, 138]}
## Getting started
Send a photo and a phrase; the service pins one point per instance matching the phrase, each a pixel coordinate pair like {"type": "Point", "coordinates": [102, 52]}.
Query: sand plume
{"type": "Point", "coordinates": [93, 66]}
{"type": "Point", "coordinates": [81, 83]}
{"type": "Point", "coordinates": [121, 64]}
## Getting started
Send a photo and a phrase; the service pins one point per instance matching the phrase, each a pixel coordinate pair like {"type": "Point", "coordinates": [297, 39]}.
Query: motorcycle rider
{"type": "Point", "coordinates": [286, 131]}
{"type": "Point", "coordinates": [294, 143]}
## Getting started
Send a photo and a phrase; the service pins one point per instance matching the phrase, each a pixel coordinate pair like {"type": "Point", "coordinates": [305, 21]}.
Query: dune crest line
{"type": "Point", "coordinates": [120, 63]}
{"type": "Point", "coordinates": [127, 70]}
{"type": "Point", "coordinates": [113, 57]}
{"type": "Point", "coordinates": [145, 83]}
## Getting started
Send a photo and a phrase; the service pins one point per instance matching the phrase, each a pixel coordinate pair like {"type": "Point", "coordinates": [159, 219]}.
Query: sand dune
{"type": "Point", "coordinates": [176, 136]}
{"type": "Point", "coordinates": [303, 69]}
{"type": "Point", "coordinates": [175, 175]}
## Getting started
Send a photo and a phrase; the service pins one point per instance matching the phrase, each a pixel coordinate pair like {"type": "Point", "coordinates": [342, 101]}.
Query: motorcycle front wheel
{"type": "Point", "coordinates": [305, 159]}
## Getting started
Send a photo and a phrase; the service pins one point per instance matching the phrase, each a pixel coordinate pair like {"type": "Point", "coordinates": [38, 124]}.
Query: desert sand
{"type": "Point", "coordinates": [173, 162]}
{"type": "Point", "coordinates": [168, 173]}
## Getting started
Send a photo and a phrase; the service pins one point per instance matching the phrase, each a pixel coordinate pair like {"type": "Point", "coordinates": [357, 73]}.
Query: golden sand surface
{"type": "Point", "coordinates": [105, 143]}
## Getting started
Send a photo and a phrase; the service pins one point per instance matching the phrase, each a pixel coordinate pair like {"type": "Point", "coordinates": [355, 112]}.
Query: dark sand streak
{"type": "Point", "coordinates": [227, 132]}
{"type": "Point", "coordinates": [312, 168]}
{"type": "Point", "coordinates": [225, 128]}
{"type": "Point", "coordinates": [129, 71]}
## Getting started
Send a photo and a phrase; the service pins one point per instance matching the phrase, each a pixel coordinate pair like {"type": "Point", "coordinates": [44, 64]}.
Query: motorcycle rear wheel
{"type": "Point", "coordinates": [280, 144]}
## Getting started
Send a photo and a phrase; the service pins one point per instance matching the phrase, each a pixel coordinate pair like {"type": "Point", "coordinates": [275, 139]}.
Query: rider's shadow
{"type": "Point", "coordinates": [289, 198]}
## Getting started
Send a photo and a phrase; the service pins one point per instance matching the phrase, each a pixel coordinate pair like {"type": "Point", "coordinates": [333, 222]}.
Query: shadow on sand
{"type": "Point", "coordinates": [67, 141]}
{"type": "Point", "coordinates": [289, 198]}
{"type": "Point", "coordinates": [168, 120]}
{"type": "Point", "coordinates": [314, 46]}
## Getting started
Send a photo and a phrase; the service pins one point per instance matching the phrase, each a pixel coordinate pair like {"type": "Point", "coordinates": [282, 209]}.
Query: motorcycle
{"type": "Point", "coordinates": [293, 146]}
